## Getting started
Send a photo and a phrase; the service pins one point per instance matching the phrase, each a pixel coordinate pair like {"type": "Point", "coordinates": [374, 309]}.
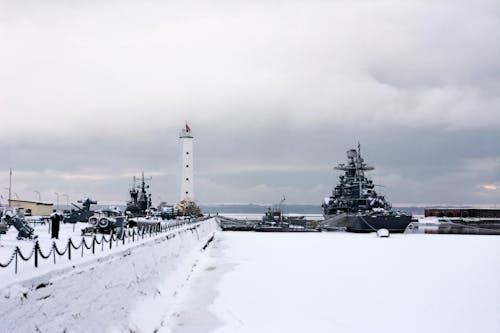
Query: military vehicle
{"type": "Point", "coordinates": [168, 212]}
{"type": "Point", "coordinates": [275, 221]}
{"type": "Point", "coordinates": [355, 205]}
{"type": "Point", "coordinates": [11, 216]}
{"type": "Point", "coordinates": [106, 222]}
{"type": "Point", "coordinates": [81, 214]}
{"type": "Point", "coordinates": [230, 224]}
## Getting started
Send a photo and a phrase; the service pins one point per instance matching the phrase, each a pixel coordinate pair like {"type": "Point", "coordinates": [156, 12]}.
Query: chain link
{"type": "Point", "coordinates": [113, 237]}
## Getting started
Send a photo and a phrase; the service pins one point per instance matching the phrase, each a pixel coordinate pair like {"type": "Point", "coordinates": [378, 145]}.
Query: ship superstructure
{"type": "Point", "coordinates": [355, 205]}
{"type": "Point", "coordinates": [140, 199]}
{"type": "Point", "coordinates": [354, 191]}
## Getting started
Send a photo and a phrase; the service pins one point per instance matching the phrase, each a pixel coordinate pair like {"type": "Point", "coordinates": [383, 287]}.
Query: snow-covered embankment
{"type": "Point", "coordinates": [126, 291]}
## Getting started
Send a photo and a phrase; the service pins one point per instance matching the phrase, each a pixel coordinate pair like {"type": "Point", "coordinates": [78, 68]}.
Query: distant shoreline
{"type": "Point", "coordinates": [252, 208]}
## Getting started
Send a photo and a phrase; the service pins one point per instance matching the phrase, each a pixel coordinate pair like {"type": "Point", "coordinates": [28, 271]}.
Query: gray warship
{"type": "Point", "coordinates": [275, 221]}
{"type": "Point", "coordinates": [354, 204]}
{"type": "Point", "coordinates": [140, 199]}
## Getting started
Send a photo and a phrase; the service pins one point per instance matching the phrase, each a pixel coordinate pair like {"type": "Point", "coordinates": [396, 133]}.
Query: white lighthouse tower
{"type": "Point", "coordinates": [187, 185]}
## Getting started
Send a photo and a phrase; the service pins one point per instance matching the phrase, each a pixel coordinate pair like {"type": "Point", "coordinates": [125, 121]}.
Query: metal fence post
{"type": "Point", "coordinates": [15, 270]}
{"type": "Point", "coordinates": [37, 247]}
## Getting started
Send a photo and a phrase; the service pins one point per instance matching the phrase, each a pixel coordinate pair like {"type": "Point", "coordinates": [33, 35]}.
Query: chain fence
{"type": "Point", "coordinates": [126, 236]}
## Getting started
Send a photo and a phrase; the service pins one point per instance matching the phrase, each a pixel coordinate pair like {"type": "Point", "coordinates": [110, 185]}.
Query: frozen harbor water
{"type": "Point", "coordinates": [341, 282]}
{"type": "Point", "coordinates": [263, 282]}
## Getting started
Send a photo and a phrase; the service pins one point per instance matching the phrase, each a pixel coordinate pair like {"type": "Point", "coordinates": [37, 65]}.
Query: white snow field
{"type": "Point", "coordinates": [128, 289]}
{"type": "Point", "coordinates": [265, 282]}
{"type": "Point", "coordinates": [26, 269]}
{"type": "Point", "coordinates": [342, 282]}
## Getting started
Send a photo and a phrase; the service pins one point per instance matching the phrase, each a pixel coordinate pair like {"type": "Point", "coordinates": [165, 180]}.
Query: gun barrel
{"type": "Point", "coordinates": [79, 208]}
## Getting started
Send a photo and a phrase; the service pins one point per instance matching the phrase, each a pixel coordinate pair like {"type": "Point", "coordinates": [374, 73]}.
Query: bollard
{"type": "Point", "coordinates": [383, 232]}
{"type": "Point", "coordinates": [37, 247]}
{"type": "Point", "coordinates": [15, 269]}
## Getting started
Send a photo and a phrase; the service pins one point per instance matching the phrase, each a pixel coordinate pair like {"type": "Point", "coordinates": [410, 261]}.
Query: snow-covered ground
{"type": "Point", "coordinates": [264, 282]}
{"type": "Point", "coordinates": [128, 289]}
{"type": "Point", "coordinates": [342, 282]}
{"type": "Point", "coordinates": [26, 269]}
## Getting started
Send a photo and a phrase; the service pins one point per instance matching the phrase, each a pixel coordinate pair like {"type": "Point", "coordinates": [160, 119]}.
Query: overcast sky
{"type": "Point", "coordinates": [94, 92]}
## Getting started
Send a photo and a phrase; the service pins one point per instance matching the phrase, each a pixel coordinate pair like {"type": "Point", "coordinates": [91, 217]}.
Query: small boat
{"type": "Point", "coordinates": [229, 224]}
{"type": "Point", "coordinates": [275, 221]}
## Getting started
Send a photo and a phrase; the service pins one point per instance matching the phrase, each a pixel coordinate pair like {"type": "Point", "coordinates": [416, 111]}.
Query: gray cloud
{"type": "Point", "coordinates": [94, 92]}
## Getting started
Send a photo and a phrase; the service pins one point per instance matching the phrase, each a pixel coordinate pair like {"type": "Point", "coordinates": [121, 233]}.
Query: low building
{"type": "Point", "coordinates": [463, 212]}
{"type": "Point", "coordinates": [36, 208]}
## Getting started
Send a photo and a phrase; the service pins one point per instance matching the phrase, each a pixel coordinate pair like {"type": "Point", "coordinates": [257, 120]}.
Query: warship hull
{"type": "Point", "coordinates": [227, 224]}
{"type": "Point", "coordinates": [366, 223]}
{"type": "Point", "coordinates": [266, 228]}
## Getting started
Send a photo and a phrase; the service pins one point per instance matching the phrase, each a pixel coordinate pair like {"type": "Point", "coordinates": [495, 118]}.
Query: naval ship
{"type": "Point", "coordinates": [140, 199]}
{"type": "Point", "coordinates": [355, 205]}
{"type": "Point", "coordinates": [275, 221]}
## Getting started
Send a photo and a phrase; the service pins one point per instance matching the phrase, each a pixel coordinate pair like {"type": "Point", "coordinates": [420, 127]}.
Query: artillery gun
{"type": "Point", "coordinates": [81, 214]}
{"type": "Point", "coordinates": [106, 222]}
{"type": "Point", "coordinates": [11, 216]}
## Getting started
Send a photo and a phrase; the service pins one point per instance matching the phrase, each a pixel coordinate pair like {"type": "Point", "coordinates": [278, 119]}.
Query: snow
{"type": "Point", "coordinates": [341, 282]}
{"type": "Point", "coordinates": [27, 270]}
{"type": "Point", "coordinates": [107, 293]}
{"type": "Point", "coordinates": [264, 282]}
{"type": "Point", "coordinates": [383, 232]}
